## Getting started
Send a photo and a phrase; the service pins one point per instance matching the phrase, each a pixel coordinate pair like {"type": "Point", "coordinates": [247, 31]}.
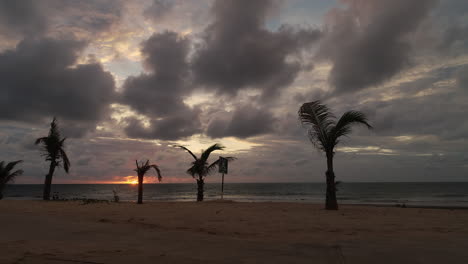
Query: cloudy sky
{"type": "Point", "coordinates": [129, 79]}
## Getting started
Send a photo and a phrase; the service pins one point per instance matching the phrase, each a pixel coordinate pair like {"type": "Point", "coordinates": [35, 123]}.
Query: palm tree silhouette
{"type": "Point", "coordinates": [6, 174]}
{"type": "Point", "coordinates": [141, 171]}
{"type": "Point", "coordinates": [325, 133]}
{"type": "Point", "coordinates": [200, 168]}
{"type": "Point", "coordinates": [53, 150]}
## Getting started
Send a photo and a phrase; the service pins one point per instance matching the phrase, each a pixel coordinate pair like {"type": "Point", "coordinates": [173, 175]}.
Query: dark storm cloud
{"type": "Point", "coordinates": [245, 121]}
{"type": "Point", "coordinates": [368, 41]}
{"type": "Point", "coordinates": [44, 17]}
{"type": "Point", "coordinates": [37, 81]}
{"type": "Point", "coordinates": [22, 17]}
{"type": "Point", "coordinates": [84, 15]}
{"type": "Point", "coordinates": [238, 51]}
{"type": "Point", "coordinates": [172, 127]}
{"type": "Point", "coordinates": [159, 93]}
{"type": "Point", "coordinates": [158, 9]}
{"type": "Point", "coordinates": [461, 78]}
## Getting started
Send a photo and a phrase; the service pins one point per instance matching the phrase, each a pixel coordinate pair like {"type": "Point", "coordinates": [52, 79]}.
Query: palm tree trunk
{"type": "Point", "coordinates": [330, 202]}
{"type": "Point", "coordinates": [200, 184]}
{"type": "Point", "coordinates": [140, 189]}
{"type": "Point", "coordinates": [2, 186]}
{"type": "Point", "coordinates": [48, 181]}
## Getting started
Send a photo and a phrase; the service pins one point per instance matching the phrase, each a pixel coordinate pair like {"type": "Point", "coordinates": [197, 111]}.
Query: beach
{"type": "Point", "coordinates": [228, 232]}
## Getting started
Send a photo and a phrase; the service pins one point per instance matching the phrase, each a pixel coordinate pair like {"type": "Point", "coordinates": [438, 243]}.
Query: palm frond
{"type": "Point", "coordinates": [344, 125]}
{"type": "Point", "coordinates": [5, 171]}
{"type": "Point", "coordinates": [66, 161]}
{"type": "Point", "coordinates": [188, 150]}
{"type": "Point", "coordinates": [212, 166]}
{"type": "Point", "coordinates": [191, 171]}
{"type": "Point", "coordinates": [206, 154]}
{"type": "Point", "coordinates": [12, 164]}
{"type": "Point", "coordinates": [156, 168]}
{"type": "Point", "coordinates": [320, 119]}
{"type": "Point", "coordinates": [40, 140]}
{"type": "Point", "coordinates": [13, 175]}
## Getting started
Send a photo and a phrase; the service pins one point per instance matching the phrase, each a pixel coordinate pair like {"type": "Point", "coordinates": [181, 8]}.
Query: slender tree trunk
{"type": "Point", "coordinates": [330, 202]}
{"type": "Point", "coordinates": [140, 189]}
{"type": "Point", "coordinates": [2, 186]}
{"type": "Point", "coordinates": [48, 181]}
{"type": "Point", "coordinates": [200, 184]}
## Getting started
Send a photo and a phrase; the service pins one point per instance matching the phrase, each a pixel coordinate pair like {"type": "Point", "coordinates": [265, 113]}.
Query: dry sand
{"type": "Point", "coordinates": [211, 232]}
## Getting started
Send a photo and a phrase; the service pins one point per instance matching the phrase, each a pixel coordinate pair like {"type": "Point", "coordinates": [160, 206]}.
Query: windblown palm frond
{"type": "Point", "coordinates": [145, 167]}
{"type": "Point", "coordinates": [188, 150]}
{"type": "Point", "coordinates": [206, 154]}
{"type": "Point", "coordinates": [5, 171]}
{"type": "Point", "coordinates": [53, 146]}
{"type": "Point", "coordinates": [66, 161]}
{"type": "Point", "coordinates": [344, 125]}
{"type": "Point", "coordinates": [199, 165]}
{"type": "Point", "coordinates": [318, 116]}
{"type": "Point", "coordinates": [156, 168]}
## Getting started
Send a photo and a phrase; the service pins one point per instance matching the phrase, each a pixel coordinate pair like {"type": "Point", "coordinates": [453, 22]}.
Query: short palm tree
{"type": "Point", "coordinates": [6, 174]}
{"type": "Point", "coordinates": [141, 170]}
{"type": "Point", "coordinates": [324, 133]}
{"type": "Point", "coordinates": [200, 168]}
{"type": "Point", "coordinates": [53, 150]}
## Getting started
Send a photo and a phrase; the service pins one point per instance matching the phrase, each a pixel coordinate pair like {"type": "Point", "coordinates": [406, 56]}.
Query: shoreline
{"type": "Point", "coordinates": [396, 205]}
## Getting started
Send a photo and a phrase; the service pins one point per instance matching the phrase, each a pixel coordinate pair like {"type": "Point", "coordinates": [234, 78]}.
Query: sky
{"type": "Point", "coordinates": [129, 80]}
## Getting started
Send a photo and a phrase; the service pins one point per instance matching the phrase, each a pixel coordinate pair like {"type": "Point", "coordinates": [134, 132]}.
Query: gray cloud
{"type": "Point", "coordinates": [368, 41]}
{"type": "Point", "coordinates": [159, 93]}
{"type": "Point", "coordinates": [22, 18]}
{"type": "Point", "coordinates": [245, 121]}
{"type": "Point", "coordinates": [175, 126]}
{"type": "Point", "coordinates": [461, 78]}
{"type": "Point", "coordinates": [159, 9]}
{"type": "Point", "coordinates": [38, 82]}
{"type": "Point", "coordinates": [38, 18]}
{"type": "Point", "coordinates": [238, 51]}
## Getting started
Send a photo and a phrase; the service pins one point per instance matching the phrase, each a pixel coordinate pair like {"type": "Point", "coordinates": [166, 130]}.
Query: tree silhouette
{"type": "Point", "coordinates": [200, 168]}
{"type": "Point", "coordinates": [141, 171]}
{"type": "Point", "coordinates": [6, 174]}
{"type": "Point", "coordinates": [53, 150]}
{"type": "Point", "coordinates": [324, 133]}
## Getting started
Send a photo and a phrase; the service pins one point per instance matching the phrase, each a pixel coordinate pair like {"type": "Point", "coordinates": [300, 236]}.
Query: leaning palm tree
{"type": "Point", "coordinates": [324, 133]}
{"type": "Point", "coordinates": [200, 168]}
{"type": "Point", "coordinates": [6, 174]}
{"type": "Point", "coordinates": [141, 171]}
{"type": "Point", "coordinates": [53, 150]}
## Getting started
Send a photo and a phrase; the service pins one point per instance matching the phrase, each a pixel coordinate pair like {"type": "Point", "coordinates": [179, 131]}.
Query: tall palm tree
{"type": "Point", "coordinates": [200, 168]}
{"type": "Point", "coordinates": [53, 150]}
{"type": "Point", "coordinates": [141, 171]}
{"type": "Point", "coordinates": [324, 133]}
{"type": "Point", "coordinates": [6, 174]}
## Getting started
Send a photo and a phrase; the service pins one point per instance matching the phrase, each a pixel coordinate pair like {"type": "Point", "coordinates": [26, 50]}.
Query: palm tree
{"type": "Point", "coordinates": [53, 150]}
{"type": "Point", "coordinates": [6, 175]}
{"type": "Point", "coordinates": [200, 168]}
{"type": "Point", "coordinates": [325, 133]}
{"type": "Point", "coordinates": [141, 171]}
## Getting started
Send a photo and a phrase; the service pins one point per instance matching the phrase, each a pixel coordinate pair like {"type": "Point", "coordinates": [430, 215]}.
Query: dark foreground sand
{"type": "Point", "coordinates": [212, 232]}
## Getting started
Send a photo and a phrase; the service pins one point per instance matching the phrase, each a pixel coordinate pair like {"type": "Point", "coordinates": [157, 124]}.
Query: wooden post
{"type": "Point", "coordinates": [222, 187]}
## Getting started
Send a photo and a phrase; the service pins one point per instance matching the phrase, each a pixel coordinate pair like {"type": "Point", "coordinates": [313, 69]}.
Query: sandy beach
{"type": "Point", "coordinates": [228, 232]}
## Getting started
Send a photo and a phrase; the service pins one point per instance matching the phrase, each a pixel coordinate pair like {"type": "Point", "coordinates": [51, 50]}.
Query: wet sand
{"type": "Point", "coordinates": [215, 232]}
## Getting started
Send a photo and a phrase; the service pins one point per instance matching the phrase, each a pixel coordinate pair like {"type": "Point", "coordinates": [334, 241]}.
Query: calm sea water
{"type": "Point", "coordinates": [430, 194]}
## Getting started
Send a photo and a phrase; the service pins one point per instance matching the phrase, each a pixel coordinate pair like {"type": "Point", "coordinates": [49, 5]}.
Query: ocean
{"type": "Point", "coordinates": [408, 193]}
